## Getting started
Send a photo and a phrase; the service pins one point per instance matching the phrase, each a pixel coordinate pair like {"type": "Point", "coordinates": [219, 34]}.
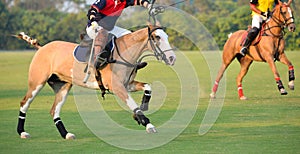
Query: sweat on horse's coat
{"type": "Point", "coordinates": [270, 45]}
{"type": "Point", "coordinates": [54, 63]}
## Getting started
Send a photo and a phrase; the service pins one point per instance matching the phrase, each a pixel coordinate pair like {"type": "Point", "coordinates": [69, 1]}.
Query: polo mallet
{"type": "Point", "coordinates": [88, 71]}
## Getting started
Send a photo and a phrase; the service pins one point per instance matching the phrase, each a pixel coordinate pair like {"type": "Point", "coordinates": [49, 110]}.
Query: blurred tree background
{"type": "Point", "coordinates": [48, 20]}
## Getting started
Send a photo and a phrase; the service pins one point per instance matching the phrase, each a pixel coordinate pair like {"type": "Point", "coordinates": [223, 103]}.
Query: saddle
{"type": "Point", "coordinates": [82, 51]}
{"type": "Point", "coordinates": [258, 37]}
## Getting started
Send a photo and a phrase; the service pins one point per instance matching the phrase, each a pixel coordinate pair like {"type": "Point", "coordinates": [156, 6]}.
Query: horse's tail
{"type": "Point", "coordinates": [28, 39]}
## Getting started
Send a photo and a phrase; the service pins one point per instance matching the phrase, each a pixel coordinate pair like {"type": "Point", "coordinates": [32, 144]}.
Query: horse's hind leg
{"type": "Point", "coordinates": [33, 89]}
{"type": "Point", "coordinates": [61, 90]}
{"type": "Point", "coordinates": [285, 61]}
{"type": "Point", "coordinates": [245, 64]}
{"type": "Point", "coordinates": [138, 86]}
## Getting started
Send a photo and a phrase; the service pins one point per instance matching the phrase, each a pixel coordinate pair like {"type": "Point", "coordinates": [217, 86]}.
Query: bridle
{"type": "Point", "coordinates": [158, 53]}
{"type": "Point", "coordinates": [280, 23]}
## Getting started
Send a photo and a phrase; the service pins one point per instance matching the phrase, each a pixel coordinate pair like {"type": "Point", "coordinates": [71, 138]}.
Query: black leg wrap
{"type": "Point", "coordinates": [279, 85]}
{"type": "Point", "coordinates": [145, 100]}
{"type": "Point", "coordinates": [61, 128]}
{"type": "Point", "coordinates": [291, 75]}
{"type": "Point", "coordinates": [140, 117]}
{"type": "Point", "coordinates": [21, 123]}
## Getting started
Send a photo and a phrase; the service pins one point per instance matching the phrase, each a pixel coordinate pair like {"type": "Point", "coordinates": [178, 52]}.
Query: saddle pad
{"type": "Point", "coordinates": [81, 54]}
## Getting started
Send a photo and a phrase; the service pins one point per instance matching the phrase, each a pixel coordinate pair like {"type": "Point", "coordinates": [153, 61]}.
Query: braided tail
{"type": "Point", "coordinates": [28, 39]}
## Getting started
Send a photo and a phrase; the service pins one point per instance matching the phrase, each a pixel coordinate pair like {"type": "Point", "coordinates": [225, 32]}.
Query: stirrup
{"type": "Point", "coordinates": [244, 51]}
{"type": "Point", "coordinates": [100, 63]}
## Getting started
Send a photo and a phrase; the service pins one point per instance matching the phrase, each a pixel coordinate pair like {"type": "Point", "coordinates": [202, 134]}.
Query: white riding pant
{"type": "Point", "coordinates": [117, 31]}
{"type": "Point", "coordinates": [257, 20]}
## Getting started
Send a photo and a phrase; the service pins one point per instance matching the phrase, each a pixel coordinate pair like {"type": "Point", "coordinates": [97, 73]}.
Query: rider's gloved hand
{"type": "Point", "coordinates": [266, 14]}
{"type": "Point", "coordinates": [92, 29]}
{"type": "Point", "coordinates": [153, 11]}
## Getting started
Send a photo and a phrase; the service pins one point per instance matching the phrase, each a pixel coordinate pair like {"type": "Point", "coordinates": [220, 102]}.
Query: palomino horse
{"type": "Point", "coordinates": [270, 47]}
{"type": "Point", "coordinates": [54, 63]}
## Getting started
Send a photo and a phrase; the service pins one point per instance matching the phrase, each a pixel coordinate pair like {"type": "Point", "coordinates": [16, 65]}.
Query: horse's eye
{"type": "Point", "coordinates": [157, 37]}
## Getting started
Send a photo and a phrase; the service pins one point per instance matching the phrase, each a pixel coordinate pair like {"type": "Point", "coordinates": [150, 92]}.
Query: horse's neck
{"type": "Point", "coordinates": [273, 26]}
{"type": "Point", "coordinates": [132, 45]}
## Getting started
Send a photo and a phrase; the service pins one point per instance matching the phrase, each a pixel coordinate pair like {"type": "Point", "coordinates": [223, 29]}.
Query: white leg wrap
{"type": "Point", "coordinates": [147, 87]}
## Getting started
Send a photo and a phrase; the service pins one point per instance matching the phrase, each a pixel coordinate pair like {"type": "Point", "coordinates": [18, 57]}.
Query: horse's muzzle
{"type": "Point", "coordinates": [172, 60]}
{"type": "Point", "coordinates": [292, 27]}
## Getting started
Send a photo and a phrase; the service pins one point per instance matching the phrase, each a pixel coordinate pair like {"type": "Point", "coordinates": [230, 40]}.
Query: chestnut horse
{"type": "Point", "coordinates": [270, 47]}
{"type": "Point", "coordinates": [54, 63]}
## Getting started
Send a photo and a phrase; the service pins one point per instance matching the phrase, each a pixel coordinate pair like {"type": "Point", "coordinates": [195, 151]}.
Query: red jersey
{"type": "Point", "coordinates": [108, 11]}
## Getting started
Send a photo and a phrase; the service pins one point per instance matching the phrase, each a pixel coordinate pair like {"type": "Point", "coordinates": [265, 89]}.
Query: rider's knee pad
{"type": "Point", "coordinates": [253, 32]}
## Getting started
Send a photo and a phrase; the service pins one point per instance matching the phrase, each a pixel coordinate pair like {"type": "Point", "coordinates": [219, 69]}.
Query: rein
{"type": "Point", "coordinates": [280, 24]}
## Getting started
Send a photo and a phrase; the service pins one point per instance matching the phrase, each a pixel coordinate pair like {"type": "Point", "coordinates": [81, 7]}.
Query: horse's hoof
{"type": "Point", "coordinates": [283, 91]}
{"type": "Point", "coordinates": [243, 98]}
{"type": "Point", "coordinates": [292, 85]}
{"type": "Point", "coordinates": [150, 128]}
{"type": "Point", "coordinates": [70, 136]}
{"type": "Point", "coordinates": [212, 95]}
{"type": "Point", "coordinates": [25, 135]}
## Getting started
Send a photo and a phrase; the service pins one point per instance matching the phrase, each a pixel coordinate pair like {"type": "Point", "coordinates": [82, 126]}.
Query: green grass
{"type": "Point", "coordinates": [266, 123]}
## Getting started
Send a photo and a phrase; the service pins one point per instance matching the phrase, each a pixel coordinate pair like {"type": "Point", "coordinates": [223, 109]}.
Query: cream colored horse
{"type": "Point", "coordinates": [270, 45]}
{"type": "Point", "coordinates": [54, 63]}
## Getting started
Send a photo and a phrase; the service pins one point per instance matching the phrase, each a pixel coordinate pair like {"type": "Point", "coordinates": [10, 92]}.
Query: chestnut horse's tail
{"type": "Point", "coordinates": [28, 39]}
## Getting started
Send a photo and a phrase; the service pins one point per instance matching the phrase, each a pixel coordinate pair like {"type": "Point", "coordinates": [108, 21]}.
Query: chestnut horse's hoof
{"type": "Point", "coordinates": [292, 85]}
{"type": "Point", "coordinates": [283, 91]}
{"type": "Point", "coordinates": [243, 98]}
{"type": "Point", "coordinates": [212, 95]}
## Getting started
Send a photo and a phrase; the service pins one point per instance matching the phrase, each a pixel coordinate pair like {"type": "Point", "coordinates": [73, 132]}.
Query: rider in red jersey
{"type": "Point", "coordinates": [102, 17]}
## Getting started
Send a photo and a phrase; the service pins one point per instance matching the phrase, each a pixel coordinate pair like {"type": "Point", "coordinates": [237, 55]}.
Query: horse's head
{"type": "Point", "coordinates": [158, 40]}
{"type": "Point", "coordinates": [285, 15]}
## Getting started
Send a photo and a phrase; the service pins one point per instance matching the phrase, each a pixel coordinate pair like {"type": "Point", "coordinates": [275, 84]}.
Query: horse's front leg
{"type": "Point", "coordinates": [138, 86]}
{"type": "Point", "coordinates": [272, 65]}
{"type": "Point", "coordinates": [291, 73]}
{"type": "Point", "coordinates": [138, 115]}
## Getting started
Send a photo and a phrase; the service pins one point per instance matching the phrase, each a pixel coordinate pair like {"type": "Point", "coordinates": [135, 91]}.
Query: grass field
{"type": "Point", "coordinates": [266, 123]}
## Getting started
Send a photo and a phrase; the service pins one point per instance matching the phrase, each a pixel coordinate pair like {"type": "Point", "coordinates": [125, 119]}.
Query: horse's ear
{"type": "Point", "coordinates": [289, 3]}
{"type": "Point", "coordinates": [280, 3]}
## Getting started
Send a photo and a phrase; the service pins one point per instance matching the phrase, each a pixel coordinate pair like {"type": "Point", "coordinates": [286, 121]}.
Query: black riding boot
{"type": "Point", "coordinates": [250, 37]}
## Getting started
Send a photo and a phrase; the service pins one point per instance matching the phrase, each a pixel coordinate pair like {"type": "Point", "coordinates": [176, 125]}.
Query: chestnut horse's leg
{"type": "Point", "coordinates": [138, 86]}
{"type": "Point", "coordinates": [228, 56]}
{"type": "Point", "coordinates": [61, 90]}
{"type": "Point", "coordinates": [245, 64]}
{"type": "Point", "coordinates": [270, 61]}
{"type": "Point", "coordinates": [285, 61]}
{"type": "Point", "coordinates": [121, 92]}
